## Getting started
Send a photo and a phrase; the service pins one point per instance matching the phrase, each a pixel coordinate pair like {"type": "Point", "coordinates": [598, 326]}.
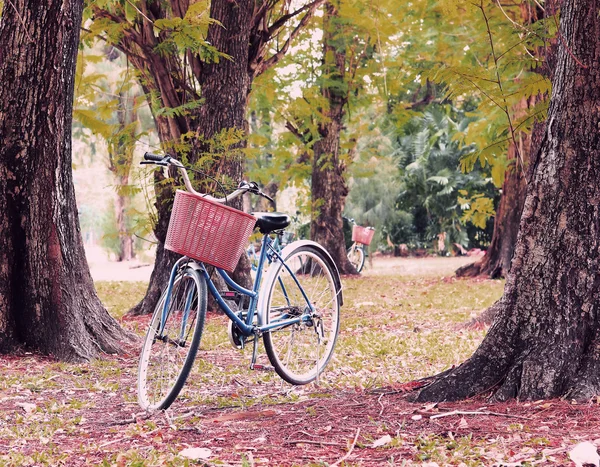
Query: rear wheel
{"type": "Point", "coordinates": [356, 255]}
{"type": "Point", "coordinates": [170, 348]}
{"type": "Point", "coordinates": [300, 351]}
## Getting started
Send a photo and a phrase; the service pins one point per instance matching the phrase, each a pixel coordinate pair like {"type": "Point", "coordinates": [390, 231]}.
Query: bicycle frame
{"type": "Point", "coordinates": [267, 253]}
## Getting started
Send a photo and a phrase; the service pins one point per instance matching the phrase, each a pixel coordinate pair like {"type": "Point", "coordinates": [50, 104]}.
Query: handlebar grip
{"type": "Point", "coordinates": [152, 157]}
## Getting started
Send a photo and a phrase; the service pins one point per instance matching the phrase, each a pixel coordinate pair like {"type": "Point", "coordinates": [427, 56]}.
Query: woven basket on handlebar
{"type": "Point", "coordinates": [207, 231]}
{"type": "Point", "coordinates": [362, 234]}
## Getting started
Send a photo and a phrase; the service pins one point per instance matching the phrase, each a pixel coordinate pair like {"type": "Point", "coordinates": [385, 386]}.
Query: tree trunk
{"type": "Point", "coordinates": [225, 87]}
{"type": "Point", "coordinates": [120, 151]}
{"type": "Point", "coordinates": [497, 259]}
{"type": "Point", "coordinates": [47, 297]}
{"type": "Point", "coordinates": [329, 189]}
{"type": "Point", "coordinates": [545, 340]}
{"type": "Point", "coordinates": [122, 204]}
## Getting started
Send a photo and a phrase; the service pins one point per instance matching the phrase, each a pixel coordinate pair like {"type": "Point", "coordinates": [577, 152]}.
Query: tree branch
{"type": "Point", "coordinates": [277, 25]}
{"type": "Point", "coordinates": [260, 67]}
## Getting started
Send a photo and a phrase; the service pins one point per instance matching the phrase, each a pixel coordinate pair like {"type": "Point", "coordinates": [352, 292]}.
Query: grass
{"type": "Point", "coordinates": [393, 329]}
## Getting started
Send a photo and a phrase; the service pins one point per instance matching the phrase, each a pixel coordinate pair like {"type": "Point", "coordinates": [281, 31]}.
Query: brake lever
{"type": "Point", "coordinates": [164, 164]}
{"type": "Point", "coordinates": [252, 187]}
{"type": "Point", "coordinates": [266, 196]}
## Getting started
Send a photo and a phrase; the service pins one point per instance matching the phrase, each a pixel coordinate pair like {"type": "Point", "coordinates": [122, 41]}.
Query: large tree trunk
{"type": "Point", "coordinates": [329, 189]}
{"type": "Point", "coordinates": [545, 340]}
{"type": "Point", "coordinates": [225, 87]}
{"type": "Point", "coordinates": [47, 297]}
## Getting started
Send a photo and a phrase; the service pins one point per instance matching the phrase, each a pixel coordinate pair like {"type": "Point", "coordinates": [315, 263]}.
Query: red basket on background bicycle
{"type": "Point", "coordinates": [207, 231]}
{"type": "Point", "coordinates": [362, 235]}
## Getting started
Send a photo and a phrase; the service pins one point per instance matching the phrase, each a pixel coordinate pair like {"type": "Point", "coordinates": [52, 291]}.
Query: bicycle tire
{"type": "Point", "coordinates": [300, 352]}
{"type": "Point", "coordinates": [356, 256]}
{"type": "Point", "coordinates": [165, 363]}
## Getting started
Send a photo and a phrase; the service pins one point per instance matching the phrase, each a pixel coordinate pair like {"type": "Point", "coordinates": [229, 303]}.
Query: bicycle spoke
{"type": "Point", "coordinates": [292, 349]}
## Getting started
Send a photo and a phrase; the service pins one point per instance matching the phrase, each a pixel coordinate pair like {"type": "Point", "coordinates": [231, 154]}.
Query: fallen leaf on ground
{"type": "Point", "coordinates": [584, 453]}
{"type": "Point", "coordinates": [382, 441]}
{"type": "Point", "coordinates": [196, 453]}
{"type": "Point", "coordinates": [428, 407]}
{"type": "Point", "coordinates": [27, 407]}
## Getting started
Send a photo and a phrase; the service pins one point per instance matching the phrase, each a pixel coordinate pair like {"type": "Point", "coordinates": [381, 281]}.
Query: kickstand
{"type": "Point", "coordinates": [254, 352]}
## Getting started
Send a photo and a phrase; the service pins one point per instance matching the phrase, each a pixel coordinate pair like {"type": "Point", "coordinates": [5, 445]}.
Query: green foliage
{"type": "Point", "coordinates": [294, 100]}
{"type": "Point", "coordinates": [477, 209]}
{"type": "Point", "coordinates": [107, 105]}
{"type": "Point", "coordinates": [498, 67]}
{"type": "Point", "coordinates": [432, 188]}
{"type": "Point", "coordinates": [180, 110]}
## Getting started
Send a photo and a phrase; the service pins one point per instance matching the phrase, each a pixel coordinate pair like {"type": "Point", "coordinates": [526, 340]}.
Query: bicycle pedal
{"type": "Point", "coordinates": [233, 296]}
{"type": "Point", "coordinates": [258, 366]}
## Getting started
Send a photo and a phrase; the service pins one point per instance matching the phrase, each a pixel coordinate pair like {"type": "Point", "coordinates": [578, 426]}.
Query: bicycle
{"type": "Point", "coordinates": [294, 305]}
{"type": "Point", "coordinates": [361, 237]}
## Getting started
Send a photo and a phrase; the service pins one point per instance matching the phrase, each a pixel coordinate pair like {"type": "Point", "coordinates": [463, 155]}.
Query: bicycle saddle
{"type": "Point", "coordinates": [269, 221]}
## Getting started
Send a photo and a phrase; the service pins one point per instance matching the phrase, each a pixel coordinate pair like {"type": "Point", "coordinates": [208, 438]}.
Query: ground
{"type": "Point", "coordinates": [402, 321]}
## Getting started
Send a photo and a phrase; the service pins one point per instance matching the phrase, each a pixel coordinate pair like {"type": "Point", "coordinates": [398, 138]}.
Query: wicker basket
{"type": "Point", "coordinates": [207, 231]}
{"type": "Point", "coordinates": [362, 234]}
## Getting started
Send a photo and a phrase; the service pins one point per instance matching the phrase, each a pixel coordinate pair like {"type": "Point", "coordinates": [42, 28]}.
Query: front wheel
{"type": "Point", "coordinates": [172, 341]}
{"type": "Point", "coordinates": [300, 351]}
{"type": "Point", "coordinates": [356, 255]}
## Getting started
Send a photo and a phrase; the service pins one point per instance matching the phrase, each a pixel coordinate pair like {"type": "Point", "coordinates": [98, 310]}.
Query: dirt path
{"type": "Point", "coordinates": [425, 266]}
{"type": "Point", "coordinates": [103, 269]}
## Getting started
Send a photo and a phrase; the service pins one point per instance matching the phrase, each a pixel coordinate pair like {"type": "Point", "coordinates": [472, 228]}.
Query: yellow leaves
{"type": "Point", "coordinates": [477, 209]}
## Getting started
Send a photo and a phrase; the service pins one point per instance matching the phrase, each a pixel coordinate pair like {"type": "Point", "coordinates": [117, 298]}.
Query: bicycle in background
{"type": "Point", "coordinates": [294, 305]}
{"type": "Point", "coordinates": [361, 238]}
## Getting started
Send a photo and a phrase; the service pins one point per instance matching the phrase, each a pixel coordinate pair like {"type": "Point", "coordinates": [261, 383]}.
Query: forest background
{"type": "Point", "coordinates": [434, 96]}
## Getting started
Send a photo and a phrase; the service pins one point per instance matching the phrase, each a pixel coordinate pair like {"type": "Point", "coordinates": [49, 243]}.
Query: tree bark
{"type": "Point", "coordinates": [329, 188]}
{"type": "Point", "coordinates": [545, 340]}
{"type": "Point", "coordinates": [47, 297]}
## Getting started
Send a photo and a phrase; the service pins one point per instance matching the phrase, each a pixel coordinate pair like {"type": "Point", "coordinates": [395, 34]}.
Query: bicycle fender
{"type": "Point", "coordinates": [274, 268]}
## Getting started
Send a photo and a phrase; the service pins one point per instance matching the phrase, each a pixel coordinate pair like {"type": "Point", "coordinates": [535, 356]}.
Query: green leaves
{"type": "Point", "coordinates": [477, 208]}
{"type": "Point", "coordinates": [179, 111]}
{"type": "Point", "coordinates": [498, 67]}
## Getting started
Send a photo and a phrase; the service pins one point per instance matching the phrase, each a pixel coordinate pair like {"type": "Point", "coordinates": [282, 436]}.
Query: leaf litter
{"type": "Point", "coordinates": [53, 413]}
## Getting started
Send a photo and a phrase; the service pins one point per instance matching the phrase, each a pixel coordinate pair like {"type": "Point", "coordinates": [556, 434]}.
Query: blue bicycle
{"type": "Point", "coordinates": [294, 305]}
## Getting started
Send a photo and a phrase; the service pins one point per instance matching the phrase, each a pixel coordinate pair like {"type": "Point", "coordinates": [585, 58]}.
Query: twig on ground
{"type": "Point", "coordinates": [185, 415]}
{"type": "Point", "coordinates": [169, 420]}
{"type": "Point", "coordinates": [382, 407]}
{"type": "Point", "coordinates": [133, 419]}
{"type": "Point", "coordinates": [462, 412]}
{"type": "Point", "coordinates": [311, 441]}
{"type": "Point", "coordinates": [335, 464]}
{"type": "Point", "coordinates": [103, 445]}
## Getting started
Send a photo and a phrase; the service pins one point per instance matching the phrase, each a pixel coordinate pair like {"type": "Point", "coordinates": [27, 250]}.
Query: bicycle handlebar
{"type": "Point", "coordinates": [152, 157]}
{"type": "Point", "coordinates": [353, 222]}
{"type": "Point", "coordinates": [243, 187]}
